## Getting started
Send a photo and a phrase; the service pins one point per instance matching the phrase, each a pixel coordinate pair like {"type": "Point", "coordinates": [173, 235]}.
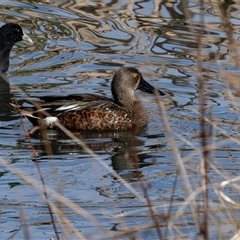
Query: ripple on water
{"type": "Point", "coordinates": [77, 47]}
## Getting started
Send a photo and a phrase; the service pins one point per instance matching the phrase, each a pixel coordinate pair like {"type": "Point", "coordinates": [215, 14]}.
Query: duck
{"type": "Point", "coordinates": [10, 34]}
{"type": "Point", "coordinates": [92, 112]}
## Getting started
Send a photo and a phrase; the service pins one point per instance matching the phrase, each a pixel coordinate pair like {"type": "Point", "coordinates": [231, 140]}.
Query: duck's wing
{"type": "Point", "coordinates": [60, 104]}
{"type": "Point", "coordinates": [56, 105]}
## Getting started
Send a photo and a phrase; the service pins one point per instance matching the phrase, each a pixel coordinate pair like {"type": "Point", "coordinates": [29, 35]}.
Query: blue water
{"type": "Point", "coordinates": [77, 47]}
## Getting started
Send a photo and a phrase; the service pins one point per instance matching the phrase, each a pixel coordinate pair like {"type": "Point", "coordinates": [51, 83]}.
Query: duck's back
{"type": "Point", "coordinates": [94, 112]}
{"type": "Point", "coordinates": [80, 112]}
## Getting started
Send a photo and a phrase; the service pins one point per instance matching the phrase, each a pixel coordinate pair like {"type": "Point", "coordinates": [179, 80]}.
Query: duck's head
{"type": "Point", "coordinates": [125, 81]}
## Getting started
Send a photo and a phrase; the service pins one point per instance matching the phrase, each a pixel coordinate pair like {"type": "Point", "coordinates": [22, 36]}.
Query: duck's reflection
{"type": "Point", "coordinates": [128, 152]}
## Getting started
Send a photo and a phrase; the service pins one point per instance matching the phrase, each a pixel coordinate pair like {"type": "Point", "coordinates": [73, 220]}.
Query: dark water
{"type": "Point", "coordinates": [77, 47]}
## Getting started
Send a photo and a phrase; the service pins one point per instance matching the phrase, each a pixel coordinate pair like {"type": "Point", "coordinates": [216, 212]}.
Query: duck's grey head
{"type": "Point", "coordinates": [125, 81]}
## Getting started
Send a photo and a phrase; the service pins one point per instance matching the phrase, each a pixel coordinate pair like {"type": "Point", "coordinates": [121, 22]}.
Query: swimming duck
{"type": "Point", "coordinates": [10, 33]}
{"type": "Point", "coordinates": [95, 112]}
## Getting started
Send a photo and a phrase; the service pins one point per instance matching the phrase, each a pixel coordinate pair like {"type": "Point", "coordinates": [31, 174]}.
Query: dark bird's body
{"type": "Point", "coordinates": [10, 33]}
{"type": "Point", "coordinates": [95, 112]}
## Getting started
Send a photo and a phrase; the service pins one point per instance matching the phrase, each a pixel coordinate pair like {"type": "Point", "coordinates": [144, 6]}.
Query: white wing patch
{"type": "Point", "coordinates": [68, 107]}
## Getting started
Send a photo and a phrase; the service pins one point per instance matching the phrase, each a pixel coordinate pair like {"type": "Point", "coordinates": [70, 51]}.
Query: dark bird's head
{"type": "Point", "coordinates": [10, 33]}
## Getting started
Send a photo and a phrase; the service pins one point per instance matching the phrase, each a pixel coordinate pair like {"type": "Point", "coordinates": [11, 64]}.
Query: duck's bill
{"type": "Point", "coordinates": [147, 87]}
{"type": "Point", "coordinates": [26, 38]}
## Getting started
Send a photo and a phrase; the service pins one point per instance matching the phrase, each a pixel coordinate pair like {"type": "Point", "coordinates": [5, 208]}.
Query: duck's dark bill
{"type": "Point", "coordinates": [147, 87]}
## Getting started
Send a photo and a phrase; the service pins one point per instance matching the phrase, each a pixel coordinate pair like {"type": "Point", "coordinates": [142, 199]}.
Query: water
{"type": "Point", "coordinates": [77, 47]}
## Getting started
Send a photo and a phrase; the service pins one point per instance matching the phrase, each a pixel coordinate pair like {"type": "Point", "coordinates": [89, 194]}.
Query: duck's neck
{"type": "Point", "coordinates": [139, 114]}
{"type": "Point", "coordinates": [125, 98]}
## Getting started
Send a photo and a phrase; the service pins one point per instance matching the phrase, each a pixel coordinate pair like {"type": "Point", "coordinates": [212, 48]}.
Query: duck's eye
{"type": "Point", "coordinates": [135, 75]}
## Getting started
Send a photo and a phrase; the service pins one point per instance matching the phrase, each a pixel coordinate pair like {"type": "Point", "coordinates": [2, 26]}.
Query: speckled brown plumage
{"type": "Point", "coordinates": [94, 112]}
{"type": "Point", "coordinates": [95, 120]}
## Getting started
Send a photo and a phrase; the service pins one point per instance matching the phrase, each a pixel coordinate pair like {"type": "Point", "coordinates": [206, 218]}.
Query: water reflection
{"type": "Point", "coordinates": [124, 149]}
{"type": "Point", "coordinates": [78, 45]}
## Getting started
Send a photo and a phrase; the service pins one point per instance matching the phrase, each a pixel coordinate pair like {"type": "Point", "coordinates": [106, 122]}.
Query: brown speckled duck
{"type": "Point", "coordinates": [95, 112]}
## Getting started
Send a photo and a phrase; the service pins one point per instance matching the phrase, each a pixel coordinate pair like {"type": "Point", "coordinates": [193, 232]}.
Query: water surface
{"type": "Point", "coordinates": [77, 47]}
